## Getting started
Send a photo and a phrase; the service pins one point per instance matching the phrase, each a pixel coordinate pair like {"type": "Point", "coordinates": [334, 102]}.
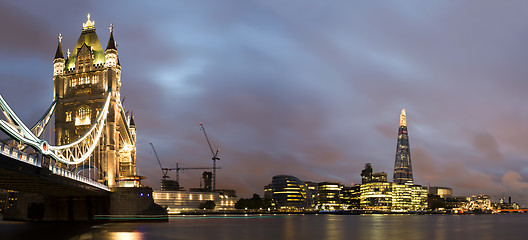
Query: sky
{"type": "Point", "coordinates": [312, 89]}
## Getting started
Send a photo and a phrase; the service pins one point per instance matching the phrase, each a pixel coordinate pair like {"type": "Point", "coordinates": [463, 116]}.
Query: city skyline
{"type": "Point", "coordinates": [314, 92]}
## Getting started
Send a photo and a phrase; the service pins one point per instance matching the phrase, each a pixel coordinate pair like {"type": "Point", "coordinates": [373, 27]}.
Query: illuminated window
{"type": "Point", "coordinates": [66, 137]}
{"type": "Point", "coordinates": [68, 116]}
{"type": "Point", "coordinates": [83, 116]}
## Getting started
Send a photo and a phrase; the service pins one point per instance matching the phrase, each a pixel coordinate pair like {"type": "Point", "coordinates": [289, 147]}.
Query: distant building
{"type": "Point", "coordinates": [328, 195]}
{"type": "Point", "coordinates": [379, 177]}
{"type": "Point", "coordinates": [376, 196]}
{"type": "Point", "coordinates": [419, 198]}
{"type": "Point", "coordinates": [350, 197]}
{"type": "Point", "coordinates": [311, 194]}
{"type": "Point", "coordinates": [268, 191]}
{"type": "Point", "coordinates": [177, 201]}
{"type": "Point", "coordinates": [208, 181]}
{"type": "Point", "coordinates": [443, 192]}
{"type": "Point", "coordinates": [402, 197]}
{"type": "Point", "coordinates": [288, 192]}
{"type": "Point", "coordinates": [366, 174]}
{"type": "Point", "coordinates": [479, 203]}
{"type": "Point", "coordinates": [402, 164]}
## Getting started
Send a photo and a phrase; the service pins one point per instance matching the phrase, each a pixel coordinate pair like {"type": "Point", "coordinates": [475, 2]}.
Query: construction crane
{"type": "Point", "coordinates": [215, 156]}
{"type": "Point", "coordinates": [178, 168]}
{"type": "Point", "coordinates": [163, 170]}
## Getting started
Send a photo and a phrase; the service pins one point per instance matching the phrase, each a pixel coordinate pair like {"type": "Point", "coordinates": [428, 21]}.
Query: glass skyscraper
{"type": "Point", "coordinates": [402, 165]}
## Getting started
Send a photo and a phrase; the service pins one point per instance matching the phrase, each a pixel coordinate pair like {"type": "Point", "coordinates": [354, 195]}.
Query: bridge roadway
{"type": "Point", "coordinates": [28, 173]}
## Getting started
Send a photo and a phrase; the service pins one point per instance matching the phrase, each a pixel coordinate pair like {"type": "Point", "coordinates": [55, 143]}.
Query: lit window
{"type": "Point", "coordinates": [68, 116]}
{"type": "Point", "coordinates": [83, 116]}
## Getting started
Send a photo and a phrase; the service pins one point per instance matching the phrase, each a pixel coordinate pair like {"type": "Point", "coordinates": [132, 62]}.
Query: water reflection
{"type": "Point", "coordinates": [126, 235]}
{"type": "Point", "coordinates": [382, 227]}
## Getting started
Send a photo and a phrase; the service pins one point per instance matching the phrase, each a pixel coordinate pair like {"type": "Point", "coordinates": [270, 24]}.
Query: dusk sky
{"type": "Point", "coordinates": [312, 89]}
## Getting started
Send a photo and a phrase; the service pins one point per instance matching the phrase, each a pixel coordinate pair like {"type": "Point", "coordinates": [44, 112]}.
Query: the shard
{"type": "Point", "coordinates": [402, 165]}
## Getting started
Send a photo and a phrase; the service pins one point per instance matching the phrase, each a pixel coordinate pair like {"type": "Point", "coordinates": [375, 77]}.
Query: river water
{"type": "Point", "coordinates": [254, 227]}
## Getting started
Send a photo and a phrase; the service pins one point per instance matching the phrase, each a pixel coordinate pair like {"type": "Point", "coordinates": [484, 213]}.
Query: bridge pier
{"type": "Point", "coordinates": [129, 202]}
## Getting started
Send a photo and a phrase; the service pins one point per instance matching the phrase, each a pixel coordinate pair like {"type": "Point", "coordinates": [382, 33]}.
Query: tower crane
{"type": "Point", "coordinates": [215, 156]}
{"type": "Point", "coordinates": [163, 170]}
{"type": "Point", "coordinates": [178, 168]}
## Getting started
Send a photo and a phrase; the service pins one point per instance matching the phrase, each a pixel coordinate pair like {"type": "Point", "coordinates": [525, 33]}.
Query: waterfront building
{"type": "Point", "coordinates": [402, 197]}
{"type": "Point", "coordinates": [350, 197]}
{"type": "Point", "coordinates": [328, 195]}
{"type": "Point", "coordinates": [418, 198]}
{"type": "Point", "coordinates": [402, 166]}
{"type": "Point", "coordinates": [311, 194]}
{"type": "Point", "coordinates": [178, 201]}
{"type": "Point", "coordinates": [288, 192]}
{"type": "Point", "coordinates": [376, 196]}
{"type": "Point", "coordinates": [456, 202]}
{"type": "Point", "coordinates": [443, 192]}
{"type": "Point", "coordinates": [82, 80]}
{"type": "Point", "coordinates": [479, 203]}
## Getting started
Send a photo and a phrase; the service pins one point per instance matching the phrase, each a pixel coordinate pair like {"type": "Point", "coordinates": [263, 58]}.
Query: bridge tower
{"type": "Point", "coordinates": [82, 81]}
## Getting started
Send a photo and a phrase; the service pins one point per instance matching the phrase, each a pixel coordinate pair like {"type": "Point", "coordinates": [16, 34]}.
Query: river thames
{"type": "Point", "coordinates": [254, 227]}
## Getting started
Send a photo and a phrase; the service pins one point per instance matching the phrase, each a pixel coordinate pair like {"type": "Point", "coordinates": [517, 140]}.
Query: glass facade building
{"type": "Point", "coordinates": [288, 192]}
{"type": "Point", "coordinates": [376, 196]}
{"type": "Point", "coordinates": [328, 195]}
{"type": "Point", "coordinates": [402, 165]}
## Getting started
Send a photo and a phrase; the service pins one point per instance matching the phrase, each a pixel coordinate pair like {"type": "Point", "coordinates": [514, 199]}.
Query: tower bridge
{"type": "Point", "coordinates": [94, 152]}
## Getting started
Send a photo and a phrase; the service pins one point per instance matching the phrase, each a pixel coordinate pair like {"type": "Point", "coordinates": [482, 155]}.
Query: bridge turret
{"type": "Point", "coordinates": [111, 50]}
{"type": "Point", "coordinates": [58, 61]}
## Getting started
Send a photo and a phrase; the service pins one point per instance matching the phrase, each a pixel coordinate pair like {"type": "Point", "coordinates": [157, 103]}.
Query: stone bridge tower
{"type": "Point", "coordinates": [82, 81]}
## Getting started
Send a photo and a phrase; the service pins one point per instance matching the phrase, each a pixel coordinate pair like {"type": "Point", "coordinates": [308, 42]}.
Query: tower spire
{"type": "Point", "coordinates": [58, 53]}
{"type": "Point", "coordinates": [403, 118]}
{"type": "Point", "coordinates": [111, 43]}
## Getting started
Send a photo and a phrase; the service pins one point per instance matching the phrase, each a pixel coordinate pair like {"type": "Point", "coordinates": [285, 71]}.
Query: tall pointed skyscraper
{"type": "Point", "coordinates": [402, 165]}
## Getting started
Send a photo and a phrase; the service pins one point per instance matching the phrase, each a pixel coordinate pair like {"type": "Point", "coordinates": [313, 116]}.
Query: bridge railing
{"type": "Point", "coordinates": [19, 155]}
{"type": "Point", "coordinates": [33, 160]}
{"type": "Point", "coordinates": [69, 174]}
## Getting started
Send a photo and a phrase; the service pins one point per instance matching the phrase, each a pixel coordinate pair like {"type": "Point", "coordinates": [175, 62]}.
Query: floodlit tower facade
{"type": "Point", "coordinates": [402, 165]}
{"type": "Point", "coordinates": [82, 81]}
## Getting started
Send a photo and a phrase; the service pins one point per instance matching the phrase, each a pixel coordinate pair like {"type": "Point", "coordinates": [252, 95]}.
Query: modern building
{"type": "Point", "coordinates": [443, 192]}
{"type": "Point", "coordinates": [82, 82]}
{"type": "Point", "coordinates": [418, 198]}
{"type": "Point", "coordinates": [367, 175]}
{"type": "Point", "coordinates": [402, 166]}
{"type": "Point", "coordinates": [268, 191]}
{"type": "Point", "coordinates": [328, 195]}
{"type": "Point", "coordinates": [350, 197]}
{"type": "Point", "coordinates": [311, 194]}
{"type": "Point", "coordinates": [402, 197]}
{"type": "Point", "coordinates": [376, 196]}
{"type": "Point", "coordinates": [288, 192]}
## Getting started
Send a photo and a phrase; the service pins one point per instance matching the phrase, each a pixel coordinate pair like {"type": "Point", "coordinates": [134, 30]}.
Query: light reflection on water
{"type": "Point", "coordinates": [254, 227]}
{"type": "Point", "coordinates": [126, 235]}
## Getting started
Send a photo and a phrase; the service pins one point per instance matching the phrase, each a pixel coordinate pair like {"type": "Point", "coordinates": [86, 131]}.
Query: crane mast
{"type": "Point", "coordinates": [214, 158]}
{"type": "Point", "coordinates": [163, 170]}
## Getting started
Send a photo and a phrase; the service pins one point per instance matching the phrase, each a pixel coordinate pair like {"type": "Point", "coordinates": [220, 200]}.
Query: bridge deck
{"type": "Point", "coordinates": [20, 176]}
